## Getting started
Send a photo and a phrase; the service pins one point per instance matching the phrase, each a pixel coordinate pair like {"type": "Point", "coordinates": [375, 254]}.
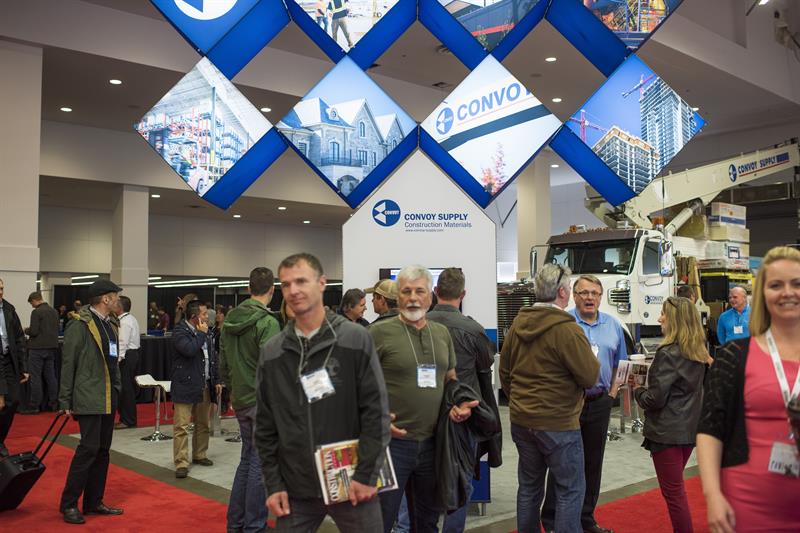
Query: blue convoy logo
{"type": "Point", "coordinates": [444, 121]}
{"type": "Point", "coordinates": [653, 300]}
{"type": "Point", "coordinates": [732, 174]}
{"type": "Point", "coordinates": [205, 9]}
{"type": "Point", "coordinates": [386, 213]}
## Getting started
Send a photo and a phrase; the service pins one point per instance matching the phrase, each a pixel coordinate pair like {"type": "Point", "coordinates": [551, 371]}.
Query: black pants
{"type": "Point", "coordinates": [89, 468]}
{"type": "Point", "coordinates": [9, 388]}
{"type": "Point", "coordinates": [594, 429]}
{"type": "Point", "coordinates": [127, 398]}
{"type": "Point", "coordinates": [42, 362]}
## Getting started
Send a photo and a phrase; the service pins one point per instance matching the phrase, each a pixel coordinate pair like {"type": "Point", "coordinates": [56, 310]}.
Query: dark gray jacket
{"type": "Point", "coordinates": [16, 338]}
{"type": "Point", "coordinates": [188, 364]}
{"type": "Point", "coordinates": [673, 397]}
{"type": "Point", "coordinates": [289, 429]}
{"type": "Point", "coordinates": [43, 331]}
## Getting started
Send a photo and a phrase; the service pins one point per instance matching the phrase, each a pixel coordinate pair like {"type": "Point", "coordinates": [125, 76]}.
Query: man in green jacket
{"type": "Point", "coordinates": [245, 330]}
{"type": "Point", "coordinates": [90, 386]}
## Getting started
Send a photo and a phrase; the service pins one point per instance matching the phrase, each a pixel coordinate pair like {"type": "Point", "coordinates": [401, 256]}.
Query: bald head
{"type": "Point", "coordinates": [737, 297]}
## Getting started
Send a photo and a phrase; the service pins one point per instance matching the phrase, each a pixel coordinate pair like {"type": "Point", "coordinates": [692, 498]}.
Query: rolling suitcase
{"type": "Point", "coordinates": [20, 472]}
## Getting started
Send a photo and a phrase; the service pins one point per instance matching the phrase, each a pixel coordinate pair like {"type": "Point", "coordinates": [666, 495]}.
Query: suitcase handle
{"type": "Point", "coordinates": [47, 434]}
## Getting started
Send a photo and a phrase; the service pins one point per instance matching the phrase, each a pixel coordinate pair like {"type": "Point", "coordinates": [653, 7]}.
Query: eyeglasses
{"type": "Point", "coordinates": [587, 294]}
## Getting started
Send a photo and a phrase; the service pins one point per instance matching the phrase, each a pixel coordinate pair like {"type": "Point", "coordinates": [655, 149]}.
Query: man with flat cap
{"type": "Point", "coordinates": [90, 387]}
{"type": "Point", "coordinates": [384, 299]}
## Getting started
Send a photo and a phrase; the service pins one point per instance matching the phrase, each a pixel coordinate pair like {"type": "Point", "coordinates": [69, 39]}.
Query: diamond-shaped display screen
{"type": "Point", "coordinates": [632, 20]}
{"type": "Point", "coordinates": [491, 125]}
{"type": "Point", "coordinates": [203, 126]}
{"type": "Point", "coordinates": [346, 21]}
{"type": "Point", "coordinates": [489, 20]}
{"type": "Point", "coordinates": [635, 123]}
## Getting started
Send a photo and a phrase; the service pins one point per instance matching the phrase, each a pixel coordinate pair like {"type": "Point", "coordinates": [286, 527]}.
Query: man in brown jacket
{"type": "Point", "coordinates": [545, 365]}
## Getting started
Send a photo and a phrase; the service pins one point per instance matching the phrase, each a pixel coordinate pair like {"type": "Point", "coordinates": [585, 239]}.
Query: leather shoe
{"type": "Point", "coordinates": [597, 529]}
{"type": "Point", "coordinates": [181, 472]}
{"type": "Point", "coordinates": [73, 516]}
{"type": "Point", "coordinates": [103, 509]}
{"type": "Point", "coordinates": [122, 425]}
{"type": "Point", "coordinates": [205, 461]}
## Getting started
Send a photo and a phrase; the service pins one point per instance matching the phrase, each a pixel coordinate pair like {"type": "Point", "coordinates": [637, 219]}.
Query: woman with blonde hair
{"type": "Point", "coordinates": [672, 401]}
{"type": "Point", "coordinates": [748, 463]}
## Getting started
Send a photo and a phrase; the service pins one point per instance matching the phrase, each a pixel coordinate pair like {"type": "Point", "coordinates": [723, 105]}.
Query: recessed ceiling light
{"type": "Point", "coordinates": [556, 100]}
{"type": "Point", "coordinates": [281, 208]}
{"type": "Point", "coordinates": [66, 109]}
{"type": "Point", "coordinates": [115, 82]}
{"type": "Point", "coordinates": [695, 109]}
{"type": "Point", "coordinates": [551, 59]}
{"type": "Point", "coordinates": [763, 2]}
{"type": "Point", "coordinates": [237, 216]}
{"type": "Point", "coordinates": [266, 109]}
{"type": "Point", "coordinates": [306, 222]}
{"type": "Point", "coordinates": [553, 166]}
{"type": "Point", "coordinates": [155, 196]}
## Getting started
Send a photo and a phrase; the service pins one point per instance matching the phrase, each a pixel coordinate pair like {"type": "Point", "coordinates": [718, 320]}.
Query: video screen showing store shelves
{"type": "Point", "coordinates": [632, 20]}
{"type": "Point", "coordinates": [635, 123]}
{"type": "Point", "coordinates": [489, 20]}
{"type": "Point", "coordinates": [491, 124]}
{"type": "Point", "coordinates": [203, 126]}
{"type": "Point", "coordinates": [346, 21]}
{"type": "Point", "coordinates": [346, 125]}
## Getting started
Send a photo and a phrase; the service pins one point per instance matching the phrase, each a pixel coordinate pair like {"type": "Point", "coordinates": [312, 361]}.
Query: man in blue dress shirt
{"type": "Point", "coordinates": [608, 343]}
{"type": "Point", "coordinates": [732, 324]}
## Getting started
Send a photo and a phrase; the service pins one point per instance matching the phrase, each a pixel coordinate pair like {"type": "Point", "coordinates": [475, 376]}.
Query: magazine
{"type": "Point", "coordinates": [336, 464]}
{"type": "Point", "coordinates": [632, 373]}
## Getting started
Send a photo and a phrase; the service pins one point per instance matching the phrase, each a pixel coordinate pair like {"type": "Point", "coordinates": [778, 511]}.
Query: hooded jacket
{"type": "Point", "coordinates": [545, 365]}
{"type": "Point", "coordinates": [246, 329]}
{"type": "Point", "coordinates": [289, 429]}
{"type": "Point", "coordinates": [87, 379]}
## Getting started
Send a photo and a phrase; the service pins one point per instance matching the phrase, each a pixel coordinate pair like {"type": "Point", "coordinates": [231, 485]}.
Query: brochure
{"type": "Point", "coordinates": [632, 373]}
{"type": "Point", "coordinates": [336, 464]}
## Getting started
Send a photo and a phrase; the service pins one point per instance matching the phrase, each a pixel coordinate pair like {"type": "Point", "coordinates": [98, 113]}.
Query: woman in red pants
{"type": "Point", "coordinates": [672, 400]}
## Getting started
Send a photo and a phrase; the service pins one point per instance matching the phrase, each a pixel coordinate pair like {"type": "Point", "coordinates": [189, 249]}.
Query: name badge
{"type": "Point", "coordinates": [738, 330]}
{"type": "Point", "coordinates": [112, 350]}
{"type": "Point", "coordinates": [426, 376]}
{"type": "Point", "coordinates": [595, 350]}
{"type": "Point", "coordinates": [317, 385]}
{"type": "Point", "coordinates": [784, 460]}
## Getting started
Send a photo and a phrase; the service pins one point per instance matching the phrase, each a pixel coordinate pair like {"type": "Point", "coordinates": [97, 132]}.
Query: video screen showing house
{"type": "Point", "coordinates": [345, 126]}
{"type": "Point", "coordinates": [491, 124]}
{"type": "Point", "coordinates": [346, 21]}
{"type": "Point", "coordinates": [632, 20]}
{"type": "Point", "coordinates": [636, 123]}
{"type": "Point", "coordinates": [203, 126]}
{"type": "Point", "coordinates": [489, 20]}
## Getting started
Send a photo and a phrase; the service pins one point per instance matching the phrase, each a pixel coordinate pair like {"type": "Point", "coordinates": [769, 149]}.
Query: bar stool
{"type": "Point", "coordinates": [146, 381]}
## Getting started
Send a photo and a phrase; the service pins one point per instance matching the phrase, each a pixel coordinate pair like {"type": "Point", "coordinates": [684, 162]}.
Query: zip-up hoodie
{"type": "Point", "coordinates": [289, 429]}
{"type": "Point", "coordinates": [246, 329]}
{"type": "Point", "coordinates": [545, 365]}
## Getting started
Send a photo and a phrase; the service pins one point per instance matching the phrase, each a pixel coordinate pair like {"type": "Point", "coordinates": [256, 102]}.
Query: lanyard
{"type": "Point", "coordinates": [414, 350]}
{"type": "Point", "coordinates": [780, 372]}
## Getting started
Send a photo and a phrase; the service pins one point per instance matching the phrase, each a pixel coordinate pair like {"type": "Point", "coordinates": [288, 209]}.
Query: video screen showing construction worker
{"type": "Point", "coordinates": [346, 21]}
{"type": "Point", "coordinates": [345, 126]}
{"type": "Point", "coordinates": [489, 20]}
{"type": "Point", "coordinates": [491, 124]}
{"type": "Point", "coordinates": [203, 126]}
{"type": "Point", "coordinates": [636, 123]}
{"type": "Point", "coordinates": [632, 20]}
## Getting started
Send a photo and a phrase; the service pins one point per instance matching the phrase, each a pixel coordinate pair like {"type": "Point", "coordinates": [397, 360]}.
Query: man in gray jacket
{"type": "Point", "coordinates": [42, 349]}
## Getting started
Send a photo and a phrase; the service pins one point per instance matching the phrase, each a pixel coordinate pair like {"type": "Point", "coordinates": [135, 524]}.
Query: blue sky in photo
{"type": "Point", "coordinates": [348, 82]}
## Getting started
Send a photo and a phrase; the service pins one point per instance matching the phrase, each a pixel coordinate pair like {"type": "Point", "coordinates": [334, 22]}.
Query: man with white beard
{"type": "Point", "coordinates": [417, 357]}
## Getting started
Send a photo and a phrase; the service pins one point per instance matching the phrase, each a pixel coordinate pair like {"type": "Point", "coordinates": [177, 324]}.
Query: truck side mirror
{"type": "Point", "coordinates": [666, 259]}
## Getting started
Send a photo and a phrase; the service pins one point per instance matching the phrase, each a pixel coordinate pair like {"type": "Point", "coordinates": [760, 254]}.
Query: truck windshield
{"type": "Point", "coordinates": [598, 257]}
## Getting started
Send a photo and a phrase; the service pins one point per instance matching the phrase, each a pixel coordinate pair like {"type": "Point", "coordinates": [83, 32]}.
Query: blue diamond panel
{"type": "Point", "coordinates": [229, 32]}
{"type": "Point", "coordinates": [210, 135]}
{"type": "Point", "coordinates": [362, 29]}
{"type": "Point", "coordinates": [632, 21]}
{"type": "Point", "coordinates": [487, 130]}
{"type": "Point", "coordinates": [350, 132]}
{"type": "Point", "coordinates": [635, 124]}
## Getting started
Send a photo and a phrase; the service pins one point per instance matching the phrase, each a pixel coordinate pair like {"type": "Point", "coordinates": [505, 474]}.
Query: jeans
{"type": "Point", "coordinates": [669, 464]}
{"type": "Point", "coordinates": [560, 452]}
{"type": "Point", "coordinates": [307, 515]}
{"type": "Point", "coordinates": [42, 361]}
{"type": "Point", "coordinates": [403, 521]}
{"type": "Point", "coordinates": [247, 508]}
{"type": "Point", "coordinates": [413, 463]}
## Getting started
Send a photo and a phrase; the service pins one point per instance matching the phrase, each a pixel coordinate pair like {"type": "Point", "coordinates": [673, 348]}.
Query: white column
{"type": "Point", "coordinates": [129, 248]}
{"type": "Point", "coordinates": [533, 212]}
{"type": "Point", "coordinates": [21, 112]}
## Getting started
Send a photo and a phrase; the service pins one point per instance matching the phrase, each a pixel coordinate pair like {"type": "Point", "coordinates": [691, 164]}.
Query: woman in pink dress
{"type": "Point", "coordinates": [748, 461]}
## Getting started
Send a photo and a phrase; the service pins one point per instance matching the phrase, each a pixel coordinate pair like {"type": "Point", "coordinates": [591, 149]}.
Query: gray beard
{"type": "Point", "coordinates": [415, 314]}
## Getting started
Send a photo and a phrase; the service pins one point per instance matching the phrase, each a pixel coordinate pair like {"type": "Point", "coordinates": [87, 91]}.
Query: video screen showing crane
{"type": "Point", "coordinates": [632, 20]}
{"type": "Point", "coordinates": [489, 20]}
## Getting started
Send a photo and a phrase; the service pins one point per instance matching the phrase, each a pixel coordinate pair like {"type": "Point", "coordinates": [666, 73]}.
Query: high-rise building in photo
{"type": "Point", "coordinates": [631, 158]}
{"type": "Point", "coordinates": [667, 121]}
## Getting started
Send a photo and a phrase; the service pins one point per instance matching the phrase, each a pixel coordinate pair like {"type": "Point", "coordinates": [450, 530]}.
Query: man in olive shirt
{"type": "Point", "coordinates": [417, 357]}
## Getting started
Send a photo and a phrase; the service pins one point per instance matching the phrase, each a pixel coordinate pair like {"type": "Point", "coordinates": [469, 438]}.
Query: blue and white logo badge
{"type": "Point", "coordinates": [732, 172]}
{"type": "Point", "coordinates": [386, 213]}
{"type": "Point", "coordinates": [205, 9]}
{"type": "Point", "coordinates": [444, 121]}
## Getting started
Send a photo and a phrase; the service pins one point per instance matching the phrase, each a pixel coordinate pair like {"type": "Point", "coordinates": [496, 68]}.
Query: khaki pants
{"type": "Point", "coordinates": [183, 415]}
